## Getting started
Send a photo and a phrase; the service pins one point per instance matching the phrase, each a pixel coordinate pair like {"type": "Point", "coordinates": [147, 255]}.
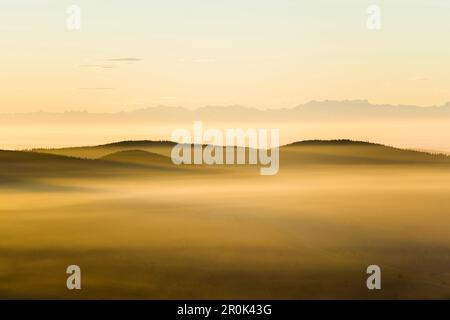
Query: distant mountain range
{"type": "Point", "coordinates": [413, 127]}
{"type": "Point", "coordinates": [311, 110]}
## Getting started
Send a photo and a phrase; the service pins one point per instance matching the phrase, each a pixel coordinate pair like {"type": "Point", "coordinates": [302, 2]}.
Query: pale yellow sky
{"type": "Point", "coordinates": [258, 53]}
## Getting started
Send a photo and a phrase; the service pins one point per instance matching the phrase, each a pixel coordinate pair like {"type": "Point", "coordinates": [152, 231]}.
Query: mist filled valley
{"type": "Point", "coordinates": [141, 227]}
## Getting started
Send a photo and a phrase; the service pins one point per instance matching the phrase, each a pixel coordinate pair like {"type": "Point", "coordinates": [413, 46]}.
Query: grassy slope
{"type": "Point", "coordinates": [20, 163]}
{"type": "Point", "coordinates": [21, 167]}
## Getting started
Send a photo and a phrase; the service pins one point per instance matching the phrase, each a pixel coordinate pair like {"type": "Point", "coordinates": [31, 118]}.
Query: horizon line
{"type": "Point", "coordinates": [350, 101]}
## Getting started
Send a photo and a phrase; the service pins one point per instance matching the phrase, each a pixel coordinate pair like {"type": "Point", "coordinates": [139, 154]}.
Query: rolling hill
{"type": "Point", "coordinates": [22, 167]}
{"type": "Point", "coordinates": [96, 152]}
{"type": "Point", "coordinates": [311, 152]}
{"type": "Point", "coordinates": [347, 152]}
{"type": "Point", "coordinates": [141, 158]}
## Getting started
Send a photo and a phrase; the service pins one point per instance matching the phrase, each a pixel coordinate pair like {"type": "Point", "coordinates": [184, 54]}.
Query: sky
{"type": "Point", "coordinates": [258, 53]}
